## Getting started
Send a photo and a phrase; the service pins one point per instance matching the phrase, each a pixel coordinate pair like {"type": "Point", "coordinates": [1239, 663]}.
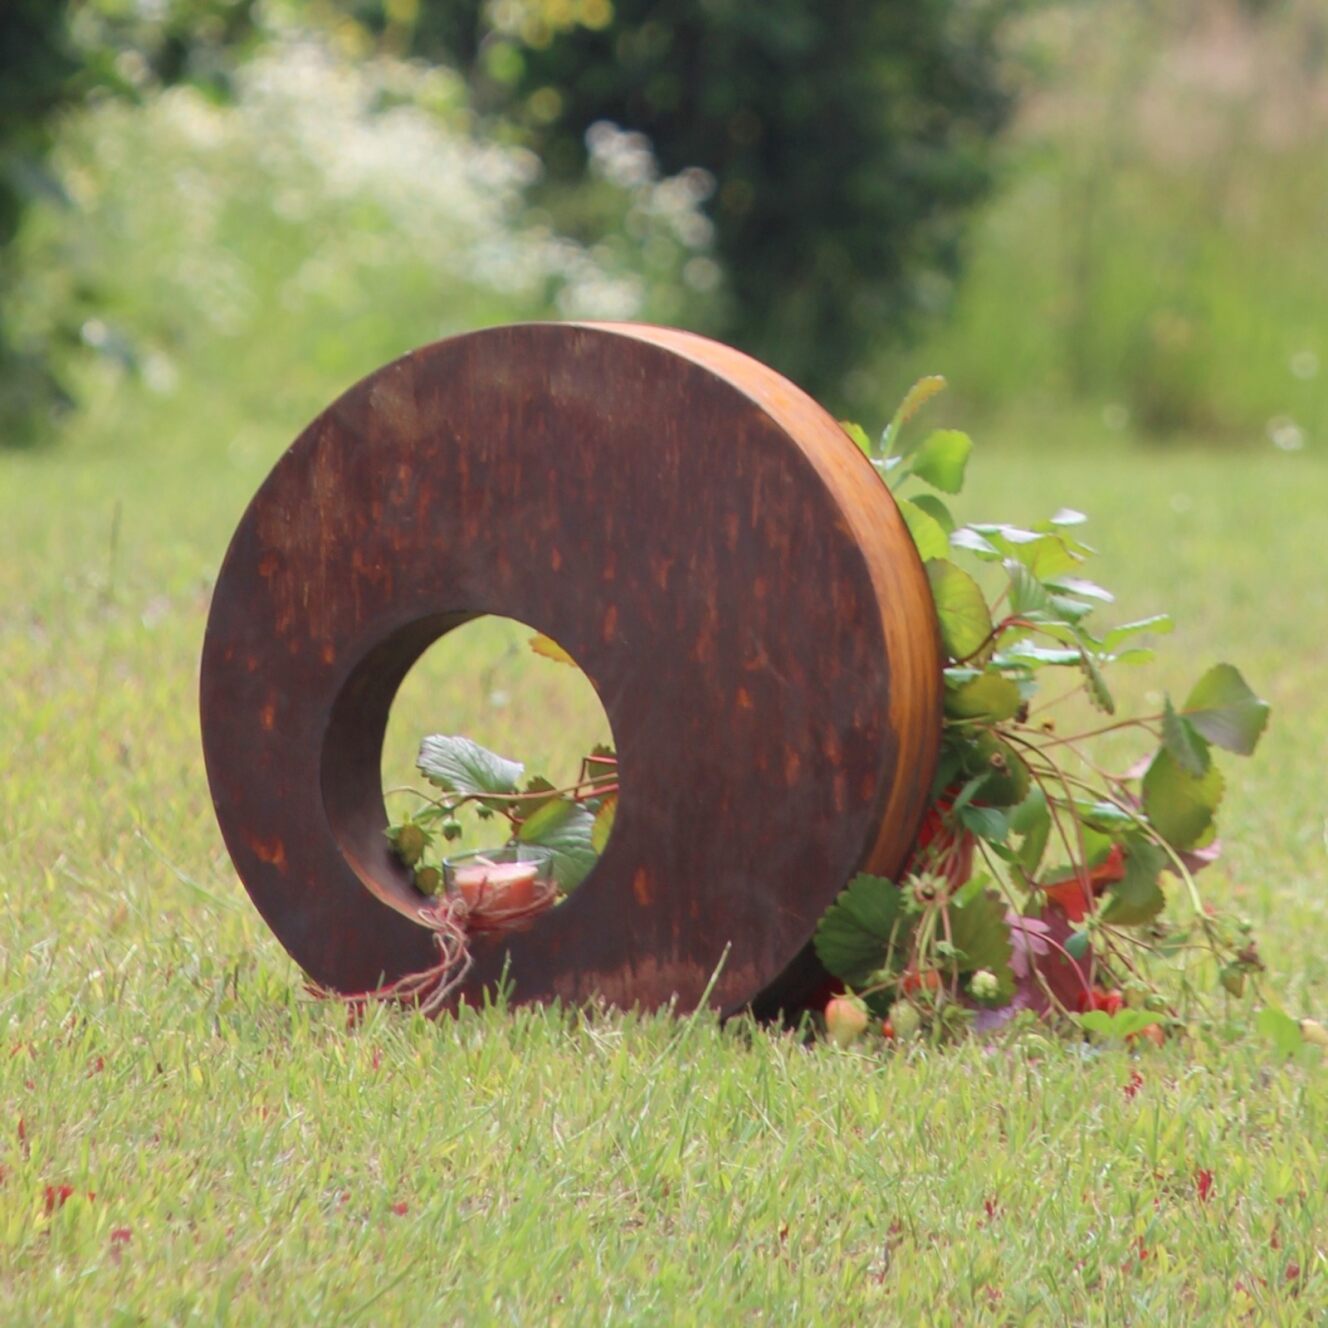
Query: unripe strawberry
{"type": "Point", "coordinates": [428, 880]}
{"type": "Point", "coordinates": [906, 1019]}
{"type": "Point", "coordinates": [845, 1019]}
{"type": "Point", "coordinates": [984, 985]}
{"type": "Point", "coordinates": [1233, 980]}
{"type": "Point", "coordinates": [410, 841]}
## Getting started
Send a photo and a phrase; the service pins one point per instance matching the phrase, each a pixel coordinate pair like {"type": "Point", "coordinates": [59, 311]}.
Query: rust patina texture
{"type": "Point", "coordinates": [719, 558]}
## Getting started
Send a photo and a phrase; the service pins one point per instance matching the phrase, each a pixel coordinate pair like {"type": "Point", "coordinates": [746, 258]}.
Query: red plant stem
{"type": "Point", "coordinates": [1003, 626]}
{"type": "Point", "coordinates": [1093, 733]}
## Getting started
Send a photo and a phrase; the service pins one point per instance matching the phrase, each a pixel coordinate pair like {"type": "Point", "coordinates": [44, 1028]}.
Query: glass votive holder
{"type": "Point", "coordinates": [507, 879]}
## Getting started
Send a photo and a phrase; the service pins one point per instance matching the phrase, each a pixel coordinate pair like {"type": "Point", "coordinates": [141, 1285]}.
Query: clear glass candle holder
{"type": "Point", "coordinates": [510, 878]}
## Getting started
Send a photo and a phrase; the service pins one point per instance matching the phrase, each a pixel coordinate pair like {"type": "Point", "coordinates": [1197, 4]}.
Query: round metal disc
{"type": "Point", "coordinates": [714, 552]}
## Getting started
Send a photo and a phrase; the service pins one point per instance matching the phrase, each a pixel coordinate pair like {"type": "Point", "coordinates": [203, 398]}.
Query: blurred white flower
{"type": "Point", "coordinates": [1286, 435]}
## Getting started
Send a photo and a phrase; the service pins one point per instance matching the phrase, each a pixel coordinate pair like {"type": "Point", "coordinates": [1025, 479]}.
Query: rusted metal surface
{"type": "Point", "coordinates": [714, 552]}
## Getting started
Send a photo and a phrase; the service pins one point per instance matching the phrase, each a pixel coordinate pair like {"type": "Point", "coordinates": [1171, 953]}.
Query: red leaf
{"type": "Point", "coordinates": [1074, 894]}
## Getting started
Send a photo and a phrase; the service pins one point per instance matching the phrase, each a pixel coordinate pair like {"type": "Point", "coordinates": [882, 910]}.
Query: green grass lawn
{"type": "Point", "coordinates": [235, 1154]}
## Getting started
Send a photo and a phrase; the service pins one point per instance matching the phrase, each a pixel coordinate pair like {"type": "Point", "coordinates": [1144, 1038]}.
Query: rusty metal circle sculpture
{"type": "Point", "coordinates": [718, 557]}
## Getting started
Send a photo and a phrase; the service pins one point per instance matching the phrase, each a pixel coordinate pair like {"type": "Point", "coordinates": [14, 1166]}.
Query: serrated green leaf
{"type": "Point", "coordinates": [1137, 898]}
{"type": "Point", "coordinates": [1225, 711]}
{"type": "Point", "coordinates": [1159, 623]}
{"type": "Point", "coordinates": [915, 398]}
{"type": "Point", "coordinates": [930, 539]}
{"type": "Point", "coordinates": [1133, 656]}
{"type": "Point", "coordinates": [1077, 586]}
{"type": "Point", "coordinates": [1098, 691]}
{"type": "Point", "coordinates": [1181, 739]}
{"type": "Point", "coordinates": [1044, 553]}
{"type": "Point", "coordinates": [941, 459]}
{"type": "Point", "coordinates": [1029, 655]}
{"type": "Point", "coordinates": [965, 537]}
{"type": "Point", "coordinates": [1068, 609]}
{"type": "Point", "coordinates": [989, 823]}
{"type": "Point", "coordinates": [960, 608]}
{"type": "Point", "coordinates": [980, 931]}
{"type": "Point", "coordinates": [603, 826]}
{"type": "Point", "coordinates": [1027, 593]}
{"type": "Point", "coordinates": [458, 765]}
{"type": "Point", "coordinates": [859, 436]}
{"type": "Point", "coordinates": [565, 828]}
{"type": "Point", "coordinates": [1006, 781]}
{"type": "Point", "coordinates": [990, 696]}
{"type": "Point", "coordinates": [1179, 805]}
{"type": "Point", "coordinates": [936, 509]}
{"type": "Point", "coordinates": [854, 935]}
{"type": "Point", "coordinates": [537, 787]}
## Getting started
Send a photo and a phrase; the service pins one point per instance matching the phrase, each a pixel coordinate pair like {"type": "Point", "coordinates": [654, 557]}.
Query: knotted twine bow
{"type": "Point", "coordinates": [453, 921]}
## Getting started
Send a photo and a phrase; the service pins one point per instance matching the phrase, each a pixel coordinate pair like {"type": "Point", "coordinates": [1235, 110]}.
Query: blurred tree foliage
{"type": "Point", "coordinates": [847, 138]}
{"type": "Point", "coordinates": [54, 54]}
{"type": "Point", "coordinates": [37, 69]}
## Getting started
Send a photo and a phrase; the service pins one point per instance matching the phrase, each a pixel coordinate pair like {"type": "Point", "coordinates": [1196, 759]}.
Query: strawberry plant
{"type": "Point", "coordinates": [1043, 879]}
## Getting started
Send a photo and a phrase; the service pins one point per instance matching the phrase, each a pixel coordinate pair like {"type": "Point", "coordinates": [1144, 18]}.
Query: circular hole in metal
{"type": "Point", "coordinates": [498, 684]}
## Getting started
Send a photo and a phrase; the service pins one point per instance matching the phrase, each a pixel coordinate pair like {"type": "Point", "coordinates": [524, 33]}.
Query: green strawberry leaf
{"type": "Point", "coordinates": [941, 459]}
{"type": "Point", "coordinates": [1159, 623]}
{"type": "Point", "coordinates": [989, 823]}
{"type": "Point", "coordinates": [1074, 585]}
{"type": "Point", "coordinates": [1027, 594]}
{"type": "Point", "coordinates": [991, 697]}
{"type": "Point", "coordinates": [1182, 740]}
{"type": "Point", "coordinates": [1180, 806]}
{"type": "Point", "coordinates": [1098, 691]}
{"type": "Point", "coordinates": [458, 765]}
{"type": "Point", "coordinates": [979, 930]}
{"type": "Point", "coordinates": [863, 929]}
{"type": "Point", "coordinates": [936, 509]}
{"type": "Point", "coordinates": [1138, 897]}
{"type": "Point", "coordinates": [915, 398]}
{"type": "Point", "coordinates": [928, 534]}
{"type": "Point", "coordinates": [960, 608]}
{"type": "Point", "coordinates": [859, 436]}
{"type": "Point", "coordinates": [566, 828]}
{"type": "Point", "coordinates": [1224, 710]}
